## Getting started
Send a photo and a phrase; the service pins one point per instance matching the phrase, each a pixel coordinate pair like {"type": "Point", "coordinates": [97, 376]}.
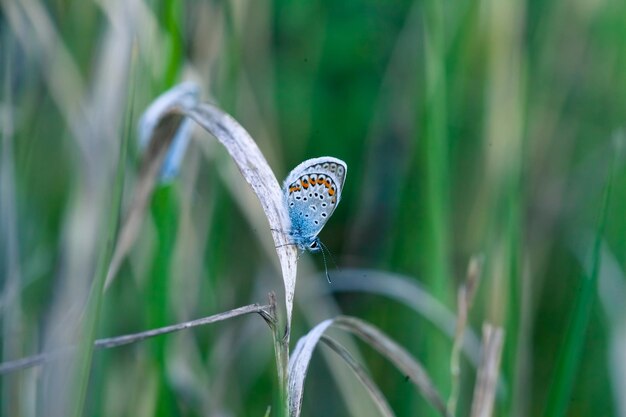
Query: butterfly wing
{"type": "Point", "coordinates": [312, 192]}
{"type": "Point", "coordinates": [328, 164]}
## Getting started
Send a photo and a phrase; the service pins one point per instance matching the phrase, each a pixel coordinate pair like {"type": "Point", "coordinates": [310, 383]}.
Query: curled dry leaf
{"type": "Point", "coordinates": [299, 364]}
{"type": "Point", "coordinates": [184, 96]}
{"type": "Point", "coordinates": [397, 355]}
{"type": "Point", "coordinates": [151, 165]}
{"type": "Point", "coordinates": [407, 290]}
{"type": "Point", "coordinates": [160, 126]}
{"type": "Point", "coordinates": [301, 356]}
{"type": "Point", "coordinates": [165, 122]}
{"type": "Point", "coordinates": [259, 175]}
{"type": "Point", "coordinates": [377, 396]}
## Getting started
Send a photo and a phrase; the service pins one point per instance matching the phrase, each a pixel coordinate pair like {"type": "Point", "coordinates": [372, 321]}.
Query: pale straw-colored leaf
{"type": "Point", "coordinates": [316, 305]}
{"type": "Point", "coordinates": [465, 297]}
{"type": "Point", "coordinates": [487, 381]}
{"type": "Point", "coordinates": [299, 365]}
{"type": "Point", "coordinates": [112, 342]}
{"type": "Point", "coordinates": [164, 124]}
{"type": "Point", "coordinates": [160, 123]}
{"type": "Point", "coordinates": [92, 112]}
{"type": "Point", "coordinates": [408, 291]}
{"type": "Point", "coordinates": [36, 33]}
{"type": "Point", "coordinates": [182, 96]}
{"type": "Point", "coordinates": [151, 166]}
{"type": "Point", "coordinates": [377, 396]}
{"type": "Point", "coordinates": [258, 174]}
{"type": "Point", "coordinates": [397, 355]}
{"type": "Point", "coordinates": [161, 126]}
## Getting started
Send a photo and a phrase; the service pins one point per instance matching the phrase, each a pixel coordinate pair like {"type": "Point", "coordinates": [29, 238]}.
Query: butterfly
{"type": "Point", "coordinates": [312, 191]}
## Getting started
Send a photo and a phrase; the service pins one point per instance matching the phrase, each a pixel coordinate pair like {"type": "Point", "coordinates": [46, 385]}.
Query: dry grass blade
{"type": "Point", "coordinates": [151, 166]}
{"type": "Point", "coordinates": [465, 297]}
{"type": "Point", "coordinates": [397, 355]}
{"type": "Point", "coordinates": [485, 390]}
{"type": "Point", "coordinates": [372, 388]}
{"type": "Point", "coordinates": [111, 342]}
{"type": "Point", "coordinates": [263, 310]}
{"type": "Point", "coordinates": [407, 290]}
{"type": "Point", "coordinates": [159, 125]}
{"type": "Point", "coordinates": [36, 33]}
{"type": "Point", "coordinates": [299, 364]}
{"type": "Point", "coordinates": [259, 175]}
{"type": "Point", "coordinates": [162, 122]}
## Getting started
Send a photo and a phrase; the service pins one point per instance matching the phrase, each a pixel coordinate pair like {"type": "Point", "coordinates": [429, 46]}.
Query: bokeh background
{"type": "Point", "coordinates": [489, 127]}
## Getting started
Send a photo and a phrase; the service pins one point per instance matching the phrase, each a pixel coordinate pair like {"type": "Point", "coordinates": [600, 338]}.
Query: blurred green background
{"type": "Point", "coordinates": [469, 127]}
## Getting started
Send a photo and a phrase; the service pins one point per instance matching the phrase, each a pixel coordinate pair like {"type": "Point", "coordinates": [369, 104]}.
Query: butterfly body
{"type": "Point", "coordinates": [312, 191]}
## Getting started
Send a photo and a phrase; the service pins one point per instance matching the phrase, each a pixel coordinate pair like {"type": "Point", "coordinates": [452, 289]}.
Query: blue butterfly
{"type": "Point", "coordinates": [312, 191]}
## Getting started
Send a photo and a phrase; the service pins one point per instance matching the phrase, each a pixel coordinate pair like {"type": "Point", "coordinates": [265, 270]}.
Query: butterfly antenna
{"type": "Point", "coordinates": [332, 258]}
{"type": "Point", "coordinates": [322, 247]}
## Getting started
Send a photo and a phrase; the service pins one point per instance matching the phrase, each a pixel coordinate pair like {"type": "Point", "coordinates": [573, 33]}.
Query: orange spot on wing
{"type": "Point", "coordinates": [327, 183]}
{"type": "Point", "coordinates": [331, 192]}
{"type": "Point", "coordinates": [305, 183]}
{"type": "Point", "coordinates": [320, 181]}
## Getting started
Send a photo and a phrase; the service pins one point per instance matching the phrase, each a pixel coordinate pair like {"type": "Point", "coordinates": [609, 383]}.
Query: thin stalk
{"type": "Point", "coordinates": [487, 380]}
{"type": "Point", "coordinates": [281, 354]}
{"type": "Point", "coordinates": [465, 298]}
{"type": "Point", "coordinates": [111, 342]}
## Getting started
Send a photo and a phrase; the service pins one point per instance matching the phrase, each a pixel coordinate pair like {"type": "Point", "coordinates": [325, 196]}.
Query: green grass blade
{"type": "Point", "coordinates": [86, 347]}
{"type": "Point", "coordinates": [164, 208]}
{"type": "Point", "coordinates": [434, 151]}
{"type": "Point", "coordinates": [173, 29]}
{"type": "Point", "coordinates": [571, 351]}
